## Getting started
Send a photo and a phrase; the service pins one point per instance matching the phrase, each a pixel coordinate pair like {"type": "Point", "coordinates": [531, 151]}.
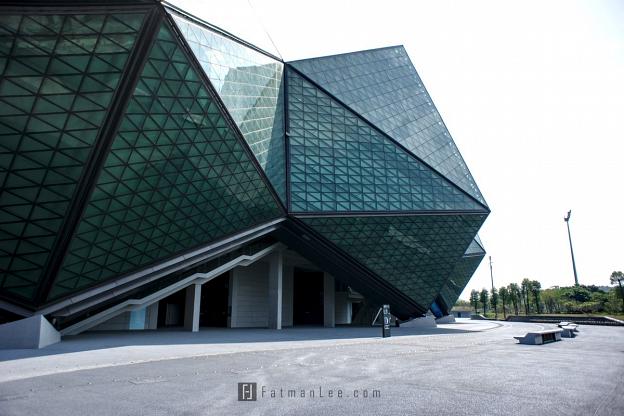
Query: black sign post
{"type": "Point", "coordinates": [386, 321]}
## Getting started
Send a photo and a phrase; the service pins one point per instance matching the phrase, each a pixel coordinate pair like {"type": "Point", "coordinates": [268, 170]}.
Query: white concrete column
{"type": "Point", "coordinates": [343, 308]}
{"type": "Point", "coordinates": [276, 272]}
{"type": "Point", "coordinates": [329, 301]}
{"type": "Point", "coordinates": [191, 309]}
{"type": "Point", "coordinates": [151, 320]}
{"type": "Point", "coordinates": [287, 295]}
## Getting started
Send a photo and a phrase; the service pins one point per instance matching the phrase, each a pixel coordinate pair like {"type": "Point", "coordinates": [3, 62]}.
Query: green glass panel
{"type": "Point", "coordinates": [383, 86]}
{"type": "Point", "coordinates": [250, 85]}
{"type": "Point", "coordinates": [460, 276]}
{"type": "Point", "coordinates": [176, 177]}
{"type": "Point", "coordinates": [53, 103]}
{"type": "Point", "coordinates": [166, 281]}
{"type": "Point", "coordinates": [475, 247]}
{"type": "Point", "coordinates": [415, 254]}
{"type": "Point", "coordinates": [343, 164]}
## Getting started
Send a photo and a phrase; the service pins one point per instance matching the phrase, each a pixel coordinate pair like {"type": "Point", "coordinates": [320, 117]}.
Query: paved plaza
{"type": "Point", "coordinates": [466, 368]}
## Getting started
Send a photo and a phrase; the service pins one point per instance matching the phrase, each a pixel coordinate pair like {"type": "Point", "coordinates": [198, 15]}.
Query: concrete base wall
{"type": "Point", "coordinates": [448, 319]}
{"type": "Point", "coordinates": [151, 318]}
{"type": "Point", "coordinates": [146, 318]}
{"type": "Point", "coordinates": [424, 322]}
{"type": "Point", "coordinates": [34, 332]}
{"type": "Point", "coordinates": [117, 323]}
{"type": "Point", "coordinates": [249, 296]}
{"type": "Point", "coordinates": [250, 293]}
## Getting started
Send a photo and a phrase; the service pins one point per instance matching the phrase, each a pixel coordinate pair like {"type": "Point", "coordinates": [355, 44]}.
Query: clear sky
{"type": "Point", "coordinates": [531, 91]}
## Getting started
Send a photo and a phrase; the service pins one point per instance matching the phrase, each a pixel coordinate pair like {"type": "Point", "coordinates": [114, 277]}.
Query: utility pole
{"type": "Point", "coordinates": [567, 221]}
{"type": "Point", "coordinates": [492, 277]}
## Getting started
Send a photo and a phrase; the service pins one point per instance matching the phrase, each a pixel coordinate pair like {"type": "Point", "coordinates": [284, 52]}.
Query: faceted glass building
{"type": "Point", "coordinates": [143, 151]}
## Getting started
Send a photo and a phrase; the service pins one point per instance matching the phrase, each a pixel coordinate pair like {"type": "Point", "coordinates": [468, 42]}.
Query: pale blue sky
{"type": "Point", "coordinates": [531, 91]}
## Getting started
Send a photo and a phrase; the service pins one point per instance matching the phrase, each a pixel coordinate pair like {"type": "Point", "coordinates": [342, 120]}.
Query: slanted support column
{"type": "Point", "coordinates": [191, 309]}
{"type": "Point", "coordinates": [276, 274]}
{"type": "Point", "coordinates": [329, 301]}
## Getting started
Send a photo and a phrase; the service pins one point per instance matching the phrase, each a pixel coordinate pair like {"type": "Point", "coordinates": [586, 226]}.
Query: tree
{"type": "Point", "coordinates": [514, 295]}
{"type": "Point", "coordinates": [504, 295]}
{"type": "Point", "coordinates": [474, 300]}
{"type": "Point", "coordinates": [551, 299]}
{"type": "Point", "coordinates": [619, 278]}
{"type": "Point", "coordinates": [592, 288]}
{"type": "Point", "coordinates": [484, 297]}
{"type": "Point", "coordinates": [576, 293]}
{"type": "Point", "coordinates": [536, 287]}
{"type": "Point", "coordinates": [526, 288]}
{"type": "Point", "coordinates": [494, 301]}
{"type": "Point", "coordinates": [614, 303]}
{"type": "Point", "coordinates": [599, 299]}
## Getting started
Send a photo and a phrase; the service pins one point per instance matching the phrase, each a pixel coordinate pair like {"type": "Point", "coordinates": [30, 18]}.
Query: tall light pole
{"type": "Point", "coordinates": [567, 221]}
{"type": "Point", "coordinates": [491, 274]}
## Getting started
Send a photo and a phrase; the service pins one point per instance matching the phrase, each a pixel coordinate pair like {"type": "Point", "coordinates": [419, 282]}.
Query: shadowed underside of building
{"type": "Point", "coordinates": [158, 171]}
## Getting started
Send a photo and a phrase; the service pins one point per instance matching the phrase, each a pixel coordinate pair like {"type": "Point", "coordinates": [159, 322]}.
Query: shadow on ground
{"type": "Point", "coordinates": [98, 340]}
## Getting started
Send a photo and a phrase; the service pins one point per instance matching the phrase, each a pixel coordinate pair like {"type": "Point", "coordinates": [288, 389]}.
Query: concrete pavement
{"type": "Point", "coordinates": [464, 368]}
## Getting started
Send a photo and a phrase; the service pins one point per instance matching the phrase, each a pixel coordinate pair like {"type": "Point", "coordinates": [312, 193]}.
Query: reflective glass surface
{"type": "Point", "coordinates": [240, 17]}
{"type": "Point", "coordinates": [478, 240]}
{"type": "Point", "coordinates": [176, 177]}
{"type": "Point", "coordinates": [384, 87]}
{"type": "Point", "coordinates": [165, 281]}
{"type": "Point", "coordinates": [474, 248]}
{"type": "Point", "coordinates": [416, 254]}
{"type": "Point", "coordinates": [250, 85]}
{"type": "Point", "coordinates": [58, 74]}
{"type": "Point", "coordinates": [338, 162]}
{"type": "Point", "coordinates": [460, 276]}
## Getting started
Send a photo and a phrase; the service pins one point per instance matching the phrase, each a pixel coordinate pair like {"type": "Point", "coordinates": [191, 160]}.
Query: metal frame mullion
{"type": "Point", "coordinates": [100, 150]}
{"type": "Point", "coordinates": [286, 139]}
{"type": "Point", "coordinates": [223, 110]}
{"type": "Point", "coordinates": [486, 209]}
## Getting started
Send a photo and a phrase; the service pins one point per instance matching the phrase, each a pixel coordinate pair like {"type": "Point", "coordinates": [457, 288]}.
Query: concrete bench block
{"type": "Point", "coordinates": [33, 333]}
{"type": "Point", "coordinates": [540, 337]}
{"type": "Point", "coordinates": [569, 331]}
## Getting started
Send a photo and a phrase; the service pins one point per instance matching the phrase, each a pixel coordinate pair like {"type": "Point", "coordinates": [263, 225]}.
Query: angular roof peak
{"type": "Point", "coordinates": [384, 87]}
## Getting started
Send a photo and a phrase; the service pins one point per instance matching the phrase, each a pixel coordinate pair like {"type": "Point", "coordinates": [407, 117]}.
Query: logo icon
{"type": "Point", "coordinates": [247, 392]}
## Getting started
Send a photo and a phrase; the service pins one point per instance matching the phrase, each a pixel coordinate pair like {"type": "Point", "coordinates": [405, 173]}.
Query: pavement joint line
{"type": "Point", "coordinates": [343, 343]}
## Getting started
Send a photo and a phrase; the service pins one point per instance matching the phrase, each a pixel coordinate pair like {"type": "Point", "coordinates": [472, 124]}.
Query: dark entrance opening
{"type": "Point", "coordinates": [213, 310]}
{"type": "Point", "coordinates": [171, 310]}
{"type": "Point", "coordinates": [307, 297]}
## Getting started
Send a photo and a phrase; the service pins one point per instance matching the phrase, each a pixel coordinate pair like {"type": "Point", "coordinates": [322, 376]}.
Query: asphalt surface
{"type": "Point", "coordinates": [457, 369]}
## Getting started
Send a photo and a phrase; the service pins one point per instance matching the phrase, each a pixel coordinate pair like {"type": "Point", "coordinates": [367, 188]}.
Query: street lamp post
{"type": "Point", "coordinates": [567, 221]}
